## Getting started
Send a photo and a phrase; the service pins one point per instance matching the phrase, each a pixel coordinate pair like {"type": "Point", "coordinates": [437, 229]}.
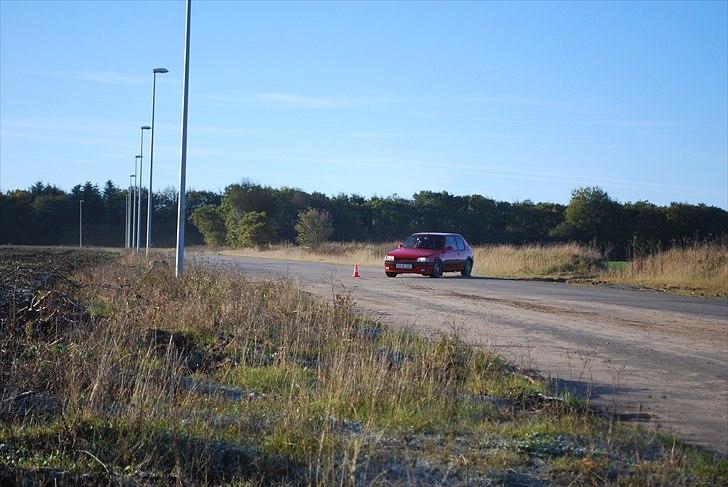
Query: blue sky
{"type": "Point", "coordinates": [513, 101]}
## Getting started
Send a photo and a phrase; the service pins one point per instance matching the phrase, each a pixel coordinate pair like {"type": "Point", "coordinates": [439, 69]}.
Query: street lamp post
{"type": "Point", "coordinates": [126, 217]}
{"type": "Point", "coordinates": [80, 223]}
{"type": "Point", "coordinates": [155, 72]}
{"type": "Point", "coordinates": [129, 200]}
{"type": "Point", "coordinates": [134, 205]}
{"type": "Point", "coordinates": [180, 257]}
{"type": "Point", "coordinates": [139, 185]}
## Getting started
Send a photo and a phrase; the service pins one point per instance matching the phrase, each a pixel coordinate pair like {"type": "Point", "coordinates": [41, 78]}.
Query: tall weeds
{"type": "Point", "coordinates": [698, 268]}
{"type": "Point", "coordinates": [537, 260]}
{"type": "Point", "coordinates": [124, 372]}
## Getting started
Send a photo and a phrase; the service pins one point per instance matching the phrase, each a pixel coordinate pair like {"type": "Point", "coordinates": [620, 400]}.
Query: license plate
{"type": "Point", "coordinates": [403, 266]}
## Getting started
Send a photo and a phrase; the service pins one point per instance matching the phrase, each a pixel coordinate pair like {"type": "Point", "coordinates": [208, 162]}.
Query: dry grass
{"type": "Point", "coordinates": [527, 261]}
{"type": "Point", "coordinates": [118, 371]}
{"type": "Point", "coordinates": [530, 261]}
{"type": "Point", "coordinates": [698, 269]}
{"type": "Point", "coordinates": [344, 253]}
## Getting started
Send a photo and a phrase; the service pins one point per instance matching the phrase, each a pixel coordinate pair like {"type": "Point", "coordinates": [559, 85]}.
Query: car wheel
{"type": "Point", "coordinates": [467, 269]}
{"type": "Point", "coordinates": [391, 274]}
{"type": "Point", "coordinates": [436, 269]}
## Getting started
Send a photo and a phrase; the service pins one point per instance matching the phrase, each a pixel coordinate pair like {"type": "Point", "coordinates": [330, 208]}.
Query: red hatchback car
{"type": "Point", "coordinates": [430, 254]}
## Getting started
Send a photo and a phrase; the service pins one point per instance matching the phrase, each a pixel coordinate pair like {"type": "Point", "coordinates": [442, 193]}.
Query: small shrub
{"type": "Point", "coordinates": [314, 227]}
{"type": "Point", "coordinates": [250, 229]}
{"type": "Point", "coordinates": [210, 223]}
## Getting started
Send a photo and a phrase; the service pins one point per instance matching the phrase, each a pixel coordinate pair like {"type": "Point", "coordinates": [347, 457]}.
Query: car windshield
{"type": "Point", "coordinates": [432, 242]}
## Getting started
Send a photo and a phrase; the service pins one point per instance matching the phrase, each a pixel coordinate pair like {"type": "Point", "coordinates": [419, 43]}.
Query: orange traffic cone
{"type": "Point", "coordinates": [356, 271]}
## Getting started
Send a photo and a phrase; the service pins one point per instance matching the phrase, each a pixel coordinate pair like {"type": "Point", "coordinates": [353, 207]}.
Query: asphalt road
{"type": "Point", "coordinates": [650, 356]}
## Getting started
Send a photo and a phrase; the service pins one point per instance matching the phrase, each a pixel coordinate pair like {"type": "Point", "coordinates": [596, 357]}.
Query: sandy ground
{"type": "Point", "coordinates": [654, 357]}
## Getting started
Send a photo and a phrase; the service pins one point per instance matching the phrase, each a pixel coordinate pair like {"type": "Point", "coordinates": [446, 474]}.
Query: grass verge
{"type": "Point", "coordinates": [699, 269]}
{"type": "Point", "coordinates": [115, 371]}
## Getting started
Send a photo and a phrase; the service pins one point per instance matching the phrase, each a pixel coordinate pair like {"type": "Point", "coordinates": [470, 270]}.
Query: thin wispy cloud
{"type": "Point", "coordinates": [299, 100]}
{"type": "Point", "coordinates": [637, 123]}
{"type": "Point", "coordinates": [490, 109]}
{"type": "Point", "coordinates": [103, 77]}
{"type": "Point", "coordinates": [88, 127]}
{"type": "Point", "coordinates": [65, 139]}
{"type": "Point", "coordinates": [501, 172]}
{"type": "Point", "coordinates": [284, 100]}
{"type": "Point", "coordinates": [465, 169]}
{"type": "Point", "coordinates": [373, 135]}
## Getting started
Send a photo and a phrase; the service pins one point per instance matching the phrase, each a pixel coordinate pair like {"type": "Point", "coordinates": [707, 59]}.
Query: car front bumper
{"type": "Point", "coordinates": [417, 268]}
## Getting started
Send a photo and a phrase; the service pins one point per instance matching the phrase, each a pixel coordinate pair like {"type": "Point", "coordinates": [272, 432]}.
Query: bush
{"type": "Point", "coordinates": [314, 227]}
{"type": "Point", "coordinates": [249, 229]}
{"type": "Point", "coordinates": [210, 223]}
{"type": "Point", "coordinates": [592, 215]}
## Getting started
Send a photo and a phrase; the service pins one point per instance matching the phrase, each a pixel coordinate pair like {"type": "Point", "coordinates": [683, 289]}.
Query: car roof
{"type": "Point", "coordinates": [442, 234]}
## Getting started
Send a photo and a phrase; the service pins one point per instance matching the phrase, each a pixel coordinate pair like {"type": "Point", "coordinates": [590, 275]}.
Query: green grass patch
{"type": "Point", "coordinates": [617, 265]}
{"type": "Point", "coordinates": [275, 379]}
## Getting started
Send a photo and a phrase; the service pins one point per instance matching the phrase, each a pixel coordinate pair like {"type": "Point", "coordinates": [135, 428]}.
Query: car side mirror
{"type": "Point", "coordinates": [399, 245]}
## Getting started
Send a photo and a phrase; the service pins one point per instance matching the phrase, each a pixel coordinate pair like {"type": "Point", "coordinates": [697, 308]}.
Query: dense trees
{"type": "Point", "coordinates": [591, 216]}
{"type": "Point", "coordinates": [254, 215]}
{"type": "Point", "coordinates": [46, 215]}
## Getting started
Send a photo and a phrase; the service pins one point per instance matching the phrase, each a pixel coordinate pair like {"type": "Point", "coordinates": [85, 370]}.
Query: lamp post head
{"type": "Point", "coordinates": [146, 127]}
{"type": "Point", "coordinates": [80, 201]}
{"type": "Point", "coordinates": [160, 70]}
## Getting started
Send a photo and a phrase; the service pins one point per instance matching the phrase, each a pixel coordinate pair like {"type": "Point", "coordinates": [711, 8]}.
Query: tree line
{"type": "Point", "coordinates": [47, 215]}
{"type": "Point", "coordinates": [249, 214]}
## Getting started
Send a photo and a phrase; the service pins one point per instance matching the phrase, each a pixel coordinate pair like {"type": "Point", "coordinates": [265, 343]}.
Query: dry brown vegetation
{"type": "Point", "coordinates": [345, 253]}
{"type": "Point", "coordinates": [698, 269]}
{"type": "Point", "coordinates": [527, 261]}
{"type": "Point", "coordinates": [533, 261]}
{"type": "Point", "coordinates": [112, 370]}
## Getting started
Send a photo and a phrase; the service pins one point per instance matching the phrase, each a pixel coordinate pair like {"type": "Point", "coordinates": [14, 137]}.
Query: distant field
{"type": "Point", "coordinates": [114, 371]}
{"type": "Point", "coordinates": [699, 269]}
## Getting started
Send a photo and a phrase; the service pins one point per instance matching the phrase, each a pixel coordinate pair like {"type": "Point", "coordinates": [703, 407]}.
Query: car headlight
{"type": "Point", "coordinates": [388, 257]}
{"type": "Point", "coordinates": [423, 259]}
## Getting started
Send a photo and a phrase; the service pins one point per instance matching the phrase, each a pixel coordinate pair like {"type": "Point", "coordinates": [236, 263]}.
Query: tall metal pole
{"type": "Point", "coordinates": [80, 223]}
{"type": "Point", "coordinates": [129, 202]}
{"type": "Point", "coordinates": [151, 160]}
{"type": "Point", "coordinates": [180, 257]}
{"type": "Point", "coordinates": [151, 163]}
{"type": "Point", "coordinates": [139, 192]}
{"type": "Point", "coordinates": [126, 217]}
{"type": "Point", "coordinates": [135, 208]}
{"type": "Point", "coordinates": [139, 183]}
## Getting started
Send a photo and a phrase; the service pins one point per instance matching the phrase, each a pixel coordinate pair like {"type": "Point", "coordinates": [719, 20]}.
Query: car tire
{"type": "Point", "coordinates": [467, 268]}
{"type": "Point", "coordinates": [436, 269]}
{"type": "Point", "coordinates": [391, 274]}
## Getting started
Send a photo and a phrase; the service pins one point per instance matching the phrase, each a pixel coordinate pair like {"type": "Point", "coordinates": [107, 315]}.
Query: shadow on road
{"type": "Point", "coordinates": [590, 390]}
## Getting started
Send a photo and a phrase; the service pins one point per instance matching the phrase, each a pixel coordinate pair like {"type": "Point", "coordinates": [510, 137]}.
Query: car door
{"type": "Point", "coordinates": [461, 252]}
{"type": "Point", "coordinates": [450, 257]}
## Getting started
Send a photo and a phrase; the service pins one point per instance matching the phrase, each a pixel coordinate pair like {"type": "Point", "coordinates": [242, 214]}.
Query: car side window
{"type": "Point", "coordinates": [459, 240]}
{"type": "Point", "coordinates": [450, 242]}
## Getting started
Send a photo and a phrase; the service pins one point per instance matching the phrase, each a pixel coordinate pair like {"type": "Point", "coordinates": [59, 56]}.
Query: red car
{"type": "Point", "coordinates": [430, 254]}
